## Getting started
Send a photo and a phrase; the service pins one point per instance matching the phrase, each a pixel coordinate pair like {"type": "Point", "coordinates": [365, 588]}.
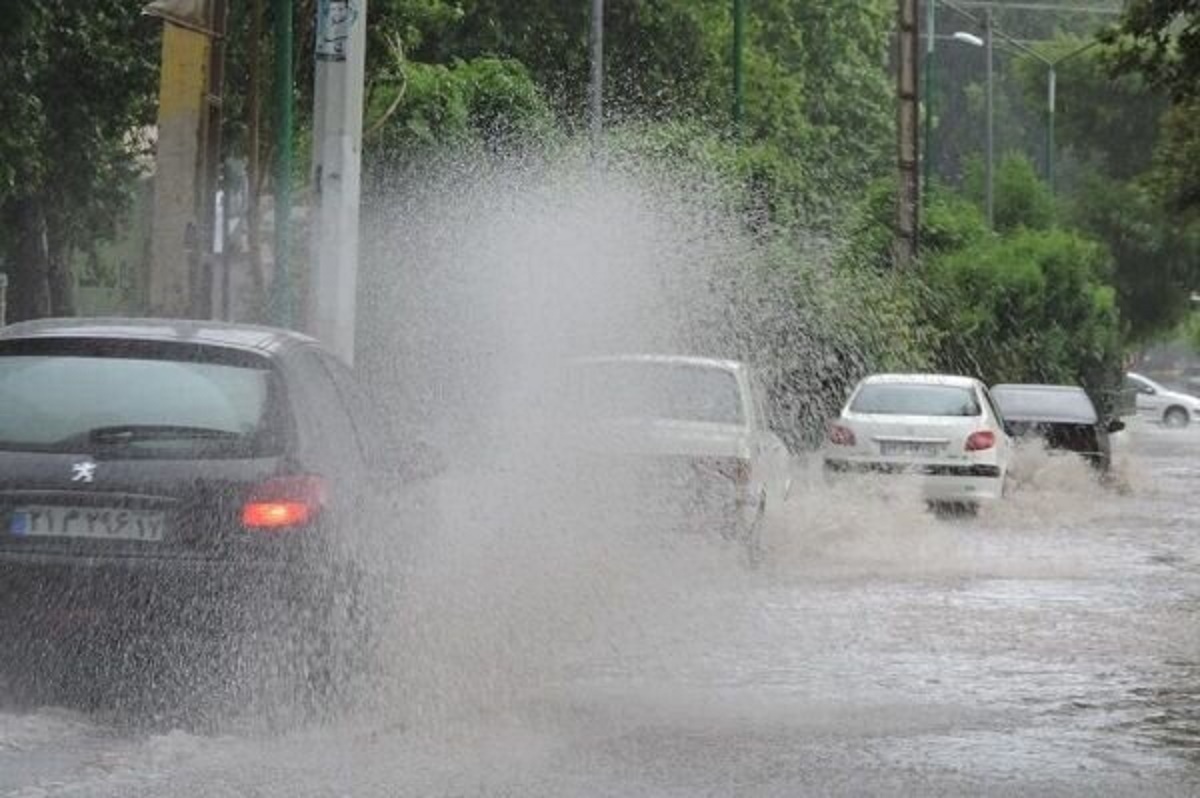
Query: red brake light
{"type": "Point", "coordinates": [981, 440]}
{"type": "Point", "coordinates": [841, 435]}
{"type": "Point", "coordinates": [284, 502]}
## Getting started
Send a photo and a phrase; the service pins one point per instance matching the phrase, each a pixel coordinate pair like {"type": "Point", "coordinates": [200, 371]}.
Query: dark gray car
{"type": "Point", "coordinates": [189, 479]}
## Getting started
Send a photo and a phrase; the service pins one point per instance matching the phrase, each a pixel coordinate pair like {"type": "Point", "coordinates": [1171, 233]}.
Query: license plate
{"type": "Point", "coordinates": [102, 523]}
{"type": "Point", "coordinates": [908, 448]}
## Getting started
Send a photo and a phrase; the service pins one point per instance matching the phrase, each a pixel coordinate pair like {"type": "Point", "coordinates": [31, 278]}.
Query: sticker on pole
{"type": "Point", "coordinates": [335, 20]}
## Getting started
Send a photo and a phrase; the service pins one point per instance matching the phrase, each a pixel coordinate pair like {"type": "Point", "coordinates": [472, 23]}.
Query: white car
{"type": "Point", "coordinates": [943, 432]}
{"type": "Point", "coordinates": [1156, 403]}
{"type": "Point", "coordinates": [697, 426]}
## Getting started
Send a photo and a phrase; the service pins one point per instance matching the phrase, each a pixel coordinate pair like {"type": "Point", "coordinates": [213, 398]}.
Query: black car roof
{"type": "Point", "coordinates": [1059, 413]}
{"type": "Point", "coordinates": [246, 337]}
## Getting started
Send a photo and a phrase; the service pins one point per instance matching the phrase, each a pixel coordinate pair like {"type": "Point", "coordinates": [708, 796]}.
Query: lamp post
{"type": "Point", "coordinates": [1051, 65]}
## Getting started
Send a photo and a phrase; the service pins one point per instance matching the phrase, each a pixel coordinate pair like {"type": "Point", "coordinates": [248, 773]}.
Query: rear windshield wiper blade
{"type": "Point", "coordinates": [133, 433]}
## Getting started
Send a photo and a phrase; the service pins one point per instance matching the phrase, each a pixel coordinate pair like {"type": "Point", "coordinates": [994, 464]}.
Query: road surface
{"type": "Point", "coordinates": [1048, 647]}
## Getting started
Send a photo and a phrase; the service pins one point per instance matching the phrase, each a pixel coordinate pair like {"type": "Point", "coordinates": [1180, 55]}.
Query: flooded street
{"type": "Point", "coordinates": [1049, 646]}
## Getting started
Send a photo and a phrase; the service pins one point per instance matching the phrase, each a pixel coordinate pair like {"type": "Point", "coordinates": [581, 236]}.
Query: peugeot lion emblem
{"type": "Point", "coordinates": [83, 472]}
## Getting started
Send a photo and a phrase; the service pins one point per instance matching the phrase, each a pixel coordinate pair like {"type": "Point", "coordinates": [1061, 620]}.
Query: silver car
{"type": "Point", "coordinates": [1156, 403]}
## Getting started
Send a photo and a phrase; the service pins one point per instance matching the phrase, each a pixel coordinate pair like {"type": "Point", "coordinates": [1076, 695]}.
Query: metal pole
{"type": "Point", "coordinates": [1051, 89]}
{"type": "Point", "coordinates": [989, 188]}
{"type": "Point", "coordinates": [336, 178]}
{"type": "Point", "coordinates": [281, 285]}
{"type": "Point", "coordinates": [930, 36]}
{"type": "Point", "coordinates": [739, 80]}
{"type": "Point", "coordinates": [596, 87]}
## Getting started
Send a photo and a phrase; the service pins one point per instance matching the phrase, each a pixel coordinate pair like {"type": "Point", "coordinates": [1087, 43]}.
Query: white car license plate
{"type": "Point", "coordinates": [103, 523]}
{"type": "Point", "coordinates": [908, 448]}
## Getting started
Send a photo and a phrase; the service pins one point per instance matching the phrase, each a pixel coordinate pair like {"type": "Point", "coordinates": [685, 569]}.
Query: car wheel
{"type": "Point", "coordinates": [1176, 417]}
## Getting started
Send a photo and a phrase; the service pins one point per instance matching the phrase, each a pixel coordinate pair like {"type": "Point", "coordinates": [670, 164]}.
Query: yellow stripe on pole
{"type": "Point", "coordinates": [184, 79]}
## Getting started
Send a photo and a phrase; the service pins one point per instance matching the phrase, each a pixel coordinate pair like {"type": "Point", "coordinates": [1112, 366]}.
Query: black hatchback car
{"type": "Point", "coordinates": [1062, 416]}
{"type": "Point", "coordinates": [186, 476]}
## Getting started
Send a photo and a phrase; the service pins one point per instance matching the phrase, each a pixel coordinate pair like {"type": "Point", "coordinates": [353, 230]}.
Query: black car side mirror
{"type": "Point", "coordinates": [1116, 425]}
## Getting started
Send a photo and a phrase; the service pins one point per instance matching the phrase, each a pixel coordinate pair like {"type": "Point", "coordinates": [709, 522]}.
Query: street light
{"type": "Point", "coordinates": [968, 38]}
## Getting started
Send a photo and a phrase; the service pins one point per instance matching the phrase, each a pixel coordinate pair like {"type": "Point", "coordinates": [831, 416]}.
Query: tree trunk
{"type": "Point", "coordinates": [29, 286]}
{"type": "Point", "coordinates": [58, 276]}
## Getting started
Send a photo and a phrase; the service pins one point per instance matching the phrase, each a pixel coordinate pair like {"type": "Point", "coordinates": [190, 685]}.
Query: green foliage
{"type": "Point", "coordinates": [487, 103]}
{"type": "Point", "coordinates": [1029, 307]}
{"type": "Point", "coordinates": [948, 222]}
{"type": "Point", "coordinates": [1108, 123]}
{"type": "Point", "coordinates": [1156, 259]}
{"type": "Point", "coordinates": [79, 86]}
{"type": "Point", "coordinates": [1021, 198]}
{"type": "Point", "coordinates": [1159, 40]}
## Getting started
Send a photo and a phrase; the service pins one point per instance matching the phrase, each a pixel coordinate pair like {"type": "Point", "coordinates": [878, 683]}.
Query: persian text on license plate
{"type": "Point", "coordinates": [901, 448]}
{"type": "Point", "coordinates": [102, 523]}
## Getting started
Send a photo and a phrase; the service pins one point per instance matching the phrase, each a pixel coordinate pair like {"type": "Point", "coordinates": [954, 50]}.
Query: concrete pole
{"type": "Point", "coordinates": [908, 197]}
{"type": "Point", "coordinates": [337, 156]}
{"type": "Point", "coordinates": [281, 283]}
{"type": "Point", "coordinates": [990, 166]}
{"type": "Point", "coordinates": [596, 84]}
{"type": "Point", "coordinates": [180, 171]}
{"type": "Point", "coordinates": [1051, 91]}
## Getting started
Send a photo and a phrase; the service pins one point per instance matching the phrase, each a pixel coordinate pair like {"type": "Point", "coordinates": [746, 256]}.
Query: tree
{"type": "Point", "coordinates": [1160, 40]}
{"type": "Point", "coordinates": [1022, 199]}
{"type": "Point", "coordinates": [79, 86]}
{"type": "Point", "coordinates": [1029, 307]}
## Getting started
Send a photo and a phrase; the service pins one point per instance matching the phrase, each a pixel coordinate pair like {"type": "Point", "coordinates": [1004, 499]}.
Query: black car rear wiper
{"type": "Point", "coordinates": [136, 433]}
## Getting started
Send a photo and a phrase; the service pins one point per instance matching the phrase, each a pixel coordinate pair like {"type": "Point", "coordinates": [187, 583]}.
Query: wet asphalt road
{"type": "Point", "coordinates": [1048, 647]}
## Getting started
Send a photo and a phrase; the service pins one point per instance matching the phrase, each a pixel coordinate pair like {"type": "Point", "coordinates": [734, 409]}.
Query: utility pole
{"type": "Point", "coordinates": [185, 159]}
{"type": "Point", "coordinates": [596, 84]}
{"type": "Point", "coordinates": [907, 125]}
{"type": "Point", "coordinates": [337, 158]}
{"type": "Point", "coordinates": [990, 169]}
{"type": "Point", "coordinates": [739, 78]}
{"type": "Point", "coordinates": [930, 38]}
{"type": "Point", "coordinates": [281, 284]}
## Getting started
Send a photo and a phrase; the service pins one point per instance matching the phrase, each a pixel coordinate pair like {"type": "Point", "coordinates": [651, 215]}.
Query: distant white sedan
{"type": "Point", "coordinates": [942, 432]}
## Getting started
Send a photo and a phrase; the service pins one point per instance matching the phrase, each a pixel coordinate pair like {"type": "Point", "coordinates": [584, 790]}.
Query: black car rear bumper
{"type": "Point", "coordinates": [61, 594]}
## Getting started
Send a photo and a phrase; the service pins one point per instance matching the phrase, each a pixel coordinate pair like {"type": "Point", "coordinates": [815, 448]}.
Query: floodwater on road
{"type": "Point", "coordinates": [1049, 646]}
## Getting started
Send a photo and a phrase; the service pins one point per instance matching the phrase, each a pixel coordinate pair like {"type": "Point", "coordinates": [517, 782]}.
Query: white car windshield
{"type": "Point", "coordinates": [915, 399]}
{"type": "Point", "coordinates": [656, 390]}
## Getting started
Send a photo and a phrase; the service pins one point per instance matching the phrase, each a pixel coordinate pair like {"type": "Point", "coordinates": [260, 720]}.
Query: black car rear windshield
{"type": "Point", "coordinates": [135, 402]}
{"type": "Point", "coordinates": [915, 399]}
{"type": "Point", "coordinates": [1045, 404]}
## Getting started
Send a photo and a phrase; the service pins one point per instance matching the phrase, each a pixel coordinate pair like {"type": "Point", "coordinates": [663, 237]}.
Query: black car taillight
{"type": "Point", "coordinates": [285, 502]}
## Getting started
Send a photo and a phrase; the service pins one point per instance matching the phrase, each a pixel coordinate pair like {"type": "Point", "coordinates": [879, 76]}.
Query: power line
{"type": "Point", "coordinates": [1032, 5]}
